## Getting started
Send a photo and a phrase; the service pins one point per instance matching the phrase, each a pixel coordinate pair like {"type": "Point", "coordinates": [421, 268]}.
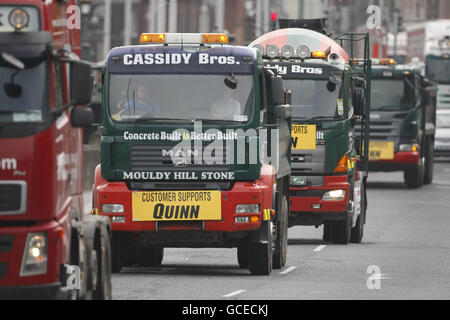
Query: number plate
{"type": "Point", "coordinates": [303, 137]}
{"type": "Point", "coordinates": [176, 205]}
{"type": "Point", "coordinates": [381, 150]}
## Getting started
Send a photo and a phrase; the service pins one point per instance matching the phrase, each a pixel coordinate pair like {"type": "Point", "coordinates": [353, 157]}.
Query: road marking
{"type": "Point", "coordinates": [234, 293]}
{"type": "Point", "coordinates": [292, 268]}
{"type": "Point", "coordinates": [319, 248]}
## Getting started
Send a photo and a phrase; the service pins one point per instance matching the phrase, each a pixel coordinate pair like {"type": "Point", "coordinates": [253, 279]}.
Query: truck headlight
{"type": "Point", "coordinates": [298, 181]}
{"type": "Point", "coordinates": [112, 208]}
{"type": "Point", "coordinates": [409, 147]}
{"type": "Point", "coordinates": [35, 255]}
{"type": "Point", "coordinates": [335, 195]}
{"type": "Point", "coordinates": [247, 208]}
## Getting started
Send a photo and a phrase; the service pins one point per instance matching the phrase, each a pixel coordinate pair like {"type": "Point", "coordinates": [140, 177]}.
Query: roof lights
{"type": "Point", "coordinates": [303, 52]}
{"type": "Point", "coordinates": [214, 38]}
{"type": "Point", "coordinates": [272, 51]}
{"type": "Point", "coordinates": [287, 52]}
{"type": "Point", "coordinates": [184, 38]}
{"type": "Point", "coordinates": [260, 48]}
{"type": "Point", "coordinates": [384, 61]}
{"type": "Point", "coordinates": [152, 38]}
{"type": "Point", "coordinates": [319, 54]}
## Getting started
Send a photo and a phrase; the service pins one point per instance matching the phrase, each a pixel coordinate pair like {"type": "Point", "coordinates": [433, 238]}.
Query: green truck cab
{"type": "Point", "coordinates": [403, 122]}
{"type": "Point", "coordinates": [194, 151]}
{"type": "Point", "coordinates": [329, 94]}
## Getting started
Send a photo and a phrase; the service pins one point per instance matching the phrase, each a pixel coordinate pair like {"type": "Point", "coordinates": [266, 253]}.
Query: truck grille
{"type": "Point", "coordinates": [309, 162]}
{"type": "Point", "coordinates": [12, 197]}
{"type": "Point", "coordinates": [154, 157]}
{"type": "Point", "coordinates": [384, 129]}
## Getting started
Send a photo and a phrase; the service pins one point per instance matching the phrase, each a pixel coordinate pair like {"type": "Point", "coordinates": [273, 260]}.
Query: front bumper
{"type": "Point", "coordinates": [53, 291]}
{"type": "Point", "coordinates": [402, 161]}
{"type": "Point", "coordinates": [303, 199]}
{"type": "Point", "coordinates": [241, 193]}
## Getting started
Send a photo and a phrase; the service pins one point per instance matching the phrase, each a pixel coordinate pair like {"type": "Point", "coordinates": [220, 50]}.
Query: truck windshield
{"type": "Point", "coordinates": [179, 96]}
{"type": "Point", "coordinates": [439, 70]}
{"type": "Point", "coordinates": [315, 99]}
{"type": "Point", "coordinates": [392, 94]}
{"type": "Point", "coordinates": [23, 93]}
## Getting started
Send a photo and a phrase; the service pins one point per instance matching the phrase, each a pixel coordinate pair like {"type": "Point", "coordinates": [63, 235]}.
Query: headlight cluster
{"type": "Point", "coordinates": [335, 195]}
{"type": "Point", "coordinates": [409, 147]}
{"type": "Point", "coordinates": [34, 259]}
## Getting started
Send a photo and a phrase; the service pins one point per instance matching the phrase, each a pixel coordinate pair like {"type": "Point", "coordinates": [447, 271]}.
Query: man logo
{"type": "Point", "coordinates": [180, 153]}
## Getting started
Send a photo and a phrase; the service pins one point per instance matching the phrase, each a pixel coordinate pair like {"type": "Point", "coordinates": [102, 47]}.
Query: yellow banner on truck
{"type": "Point", "coordinates": [381, 150]}
{"type": "Point", "coordinates": [176, 205]}
{"type": "Point", "coordinates": [303, 137]}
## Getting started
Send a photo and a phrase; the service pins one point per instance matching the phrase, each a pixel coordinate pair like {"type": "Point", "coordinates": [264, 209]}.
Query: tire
{"type": "Point", "coordinates": [280, 235]}
{"type": "Point", "coordinates": [414, 177]}
{"type": "Point", "coordinates": [340, 231]}
{"type": "Point", "coordinates": [149, 256]}
{"type": "Point", "coordinates": [261, 253]}
{"type": "Point", "coordinates": [243, 257]}
{"type": "Point", "coordinates": [103, 288]}
{"type": "Point", "coordinates": [357, 232]}
{"type": "Point", "coordinates": [429, 163]}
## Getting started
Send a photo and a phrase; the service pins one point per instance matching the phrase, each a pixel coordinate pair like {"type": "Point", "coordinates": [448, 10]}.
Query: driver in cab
{"type": "Point", "coordinates": [225, 107]}
{"type": "Point", "coordinates": [139, 104]}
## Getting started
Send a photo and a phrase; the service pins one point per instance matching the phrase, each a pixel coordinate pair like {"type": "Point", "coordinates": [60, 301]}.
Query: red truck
{"type": "Point", "coordinates": [48, 249]}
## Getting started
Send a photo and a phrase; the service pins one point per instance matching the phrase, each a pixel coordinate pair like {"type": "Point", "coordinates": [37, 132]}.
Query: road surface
{"type": "Point", "coordinates": [405, 254]}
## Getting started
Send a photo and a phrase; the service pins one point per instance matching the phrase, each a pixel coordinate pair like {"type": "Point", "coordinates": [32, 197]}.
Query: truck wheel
{"type": "Point", "coordinates": [429, 163]}
{"type": "Point", "coordinates": [103, 288]}
{"type": "Point", "coordinates": [340, 231]}
{"type": "Point", "coordinates": [261, 253]}
{"type": "Point", "coordinates": [358, 231]}
{"type": "Point", "coordinates": [280, 235]}
{"type": "Point", "coordinates": [149, 256]}
{"type": "Point", "coordinates": [414, 177]}
{"type": "Point", "coordinates": [326, 231]}
{"type": "Point", "coordinates": [243, 257]}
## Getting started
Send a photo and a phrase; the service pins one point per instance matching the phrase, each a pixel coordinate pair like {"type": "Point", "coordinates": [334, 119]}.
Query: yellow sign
{"type": "Point", "coordinates": [303, 137]}
{"type": "Point", "coordinates": [381, 150]}
{"type": "Point", "coordinates": [176, 205]}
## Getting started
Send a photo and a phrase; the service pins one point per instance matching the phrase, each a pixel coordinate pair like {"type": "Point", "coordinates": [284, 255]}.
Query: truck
{"type": "Point", "coordinates": [330, 91]}
{"type": "Point", "coordinates": [194, 151]}
{"type": "Point", "coordinates": [403, 122]}
{"type": "Point", "coordinates": [48, 248]}
{"type": "Point", "coordinates": [429, 43]}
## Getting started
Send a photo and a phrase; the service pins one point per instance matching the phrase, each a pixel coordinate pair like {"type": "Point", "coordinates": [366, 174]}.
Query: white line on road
{"type": "Point", "coordinates": [319, 248]}
{"type": "Point", "coordinates": [292, 268]}
{"type": "Point", "coordinates": [234, 293]}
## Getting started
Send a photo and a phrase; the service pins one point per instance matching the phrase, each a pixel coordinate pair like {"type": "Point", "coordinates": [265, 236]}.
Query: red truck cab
{"type": "Point", "coordinates": [41, 155]}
